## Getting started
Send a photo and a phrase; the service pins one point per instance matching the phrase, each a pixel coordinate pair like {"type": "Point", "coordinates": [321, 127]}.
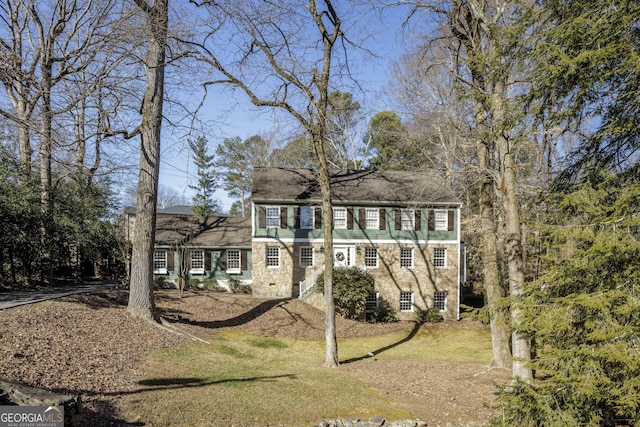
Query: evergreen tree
{"type": "Point", "coordinates": [203, 203]}
{"type": "Point", "coordinates": [584, 314]}
{"type": "Point", "coordinates": [236, 160]}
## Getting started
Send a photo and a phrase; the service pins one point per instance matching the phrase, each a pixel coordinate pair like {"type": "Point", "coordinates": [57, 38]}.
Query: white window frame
{"type": "Point", "coordinates": [160, 265]}
{"type": "Point", "coordinates": [441, 219]}
{"type": "Point", "coordinates": [234, 261]}
{"type": "Point", "coordinates": [440, 300]}
{"type": "Point", "coordinates": [196, 263]}
{"type": "Point", "coordinates": [404, 257]}
{"type": "Point", "coordinates": [408, 219]}
{"type": "Point", "coordinates": [406, 302]}
{"type": "Point", "coordinates": [371, 254]}
{"type": "Point", "coordinates": [372, 302]}
{"type": "Point", "coordinates": [307, 217]}
{"type": "Point", "coordinates": [440, 257]}
{"type": "Point", "coordinates": [272, 256]}
{"type": "Point", "coordinates": [306, 260]}
{"type": "Point", "coordinates": [372, 219]}
{"type": "Point", "coordinates": [272, 216]}
{"type": "Point", "coordinates": [340, 221]}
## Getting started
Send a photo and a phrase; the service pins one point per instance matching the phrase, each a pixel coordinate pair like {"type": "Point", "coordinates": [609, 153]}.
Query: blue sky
{"type": "Point", "coordinates": [239, 118]}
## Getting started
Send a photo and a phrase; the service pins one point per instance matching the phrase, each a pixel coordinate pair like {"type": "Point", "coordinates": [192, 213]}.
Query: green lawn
{"type": "Point", "coordinates": [244, 379]}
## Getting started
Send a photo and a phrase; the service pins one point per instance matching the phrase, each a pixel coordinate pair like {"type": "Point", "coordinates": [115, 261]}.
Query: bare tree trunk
{"type": "Point", "coordinates": [331, 343]}
{"type": "Point", "coordinates": [141, 302]}
{"type": "Point", "coordinates": [491, 269]}
{"type": "Point", "coordinates": [513, 243]}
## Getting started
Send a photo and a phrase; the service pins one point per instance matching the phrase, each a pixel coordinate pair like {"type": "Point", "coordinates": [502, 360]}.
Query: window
{"type": "Point", "coordinates": [371, 257]}
{"type": "Point", "coordinates": [273, 256]}
{"type": "Point", "coordinates": [196, 261]}
{"type": "Point", "coordinates": [408, 219]}
{"type": "Point", "coordinates": [160, 261]}
{"type": "Point", "coordinates": [273, 216]}
{"type": "Point", "coordinates": [441, 220]}
{"type": "Point", "coordinates": [440, 300]}
{"type": "Point", "coordinates": [306, 257]}
{"type": "Point", "coordinates": [306, 217]}
{"type": "Point", "coordinates": [372, 219]}
{"type": "Point", "coordinates": [406, 258]}
{"type": "Point", "coordinates": [406, 301]}
{"type": "Point", "coordinates": [233, 261]}
{"type": "Point", "coordinates": [439, 258]}
{"type": "Point", "coordinates": [340, 218]}
{"type": "Point", "coordinates": [372, 302]}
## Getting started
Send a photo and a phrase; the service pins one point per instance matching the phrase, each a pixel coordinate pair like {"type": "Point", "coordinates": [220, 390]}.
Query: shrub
{"type": "Point", "coordinates": [237, 287]}
{"type": "Point", "coordinates": [193, 283]}
{"type": "Point", "coordinates": [429, 315]}
{"type": "Point", "coordinates": [211, 285]}
{"type": "Point", "coordinates": [351, 286]}
{"type": "Point", "coordinates": [382, 314]}
{"type": "Point", "coordinates": [159, 282]}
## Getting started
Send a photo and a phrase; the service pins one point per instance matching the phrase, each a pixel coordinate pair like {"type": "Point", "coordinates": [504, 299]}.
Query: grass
{"type": "Point", "coordinates": [244, 379]}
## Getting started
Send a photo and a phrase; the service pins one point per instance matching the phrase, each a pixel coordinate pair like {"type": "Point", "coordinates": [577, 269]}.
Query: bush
{"type": "Point", "coordinates": [382, 314]}
{"type": "Point", "coordinates": [193, 283]}
{"type": "Point", "coordinates": [351, 286]}
{"type": "Point", "coordinates": [160, 282]}
{"type": "Point", "coordinates": [211, 285]}
{"type": "Point", "coordinates": [237, 287]}
{"type": "Point", "coordinates": [429, 315]}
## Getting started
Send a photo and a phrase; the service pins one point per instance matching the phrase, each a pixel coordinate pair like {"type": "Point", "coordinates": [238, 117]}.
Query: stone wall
{"type": "Point", "coordinates": [422, 279]}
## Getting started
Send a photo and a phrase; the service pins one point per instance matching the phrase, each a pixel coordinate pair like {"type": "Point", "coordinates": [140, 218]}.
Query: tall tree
{"type": "Point", "coordinates": [43, 45]}
{"type": "Point", "coordinates": [141, 302]}
{"type": "Point", "coordinates": [236, 159]}
{"type": "Point", "coordinates": [387, 139]}
{"type": "Point", "coordinates": [479, 36]}
{"type": "Point", "coordinates": [203, 203]}
{"type": "Point", "coordinates": [585, 70]}
{"type": "Point", "coordinates": [584, 312]}
{"type": "Point", "coordinates": [292, 47]}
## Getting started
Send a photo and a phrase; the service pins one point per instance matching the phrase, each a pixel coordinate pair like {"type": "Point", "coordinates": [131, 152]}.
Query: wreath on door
{"type": "Point", "coordinates": [340, 256]}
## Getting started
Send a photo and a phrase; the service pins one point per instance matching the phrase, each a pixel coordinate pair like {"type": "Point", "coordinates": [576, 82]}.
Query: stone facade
{"type": "Point", "coordinates": [421, 278]}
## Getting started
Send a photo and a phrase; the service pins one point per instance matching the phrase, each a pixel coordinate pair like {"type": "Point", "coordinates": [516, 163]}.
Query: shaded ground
{"type": "Point", "coordinates": [87, 344]}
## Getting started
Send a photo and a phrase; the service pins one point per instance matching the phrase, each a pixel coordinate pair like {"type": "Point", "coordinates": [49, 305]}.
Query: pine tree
{"type": "Point", "coordinates": [584, 314]}
{"type": "Point", "coordinates": [203, 203]}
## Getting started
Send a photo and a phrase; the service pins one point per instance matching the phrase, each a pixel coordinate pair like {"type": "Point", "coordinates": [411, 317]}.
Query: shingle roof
{"type": "Point", "coordinates": [214, 232]}
{"type": "Point", "coordinates": [350, 186]}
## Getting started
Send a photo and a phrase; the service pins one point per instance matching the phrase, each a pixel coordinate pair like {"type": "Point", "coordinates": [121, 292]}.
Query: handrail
{"type": "Point", "coordinates": [306, 286]}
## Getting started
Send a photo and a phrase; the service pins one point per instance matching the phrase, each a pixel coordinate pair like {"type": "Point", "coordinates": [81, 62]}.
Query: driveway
{"type": "Point", "coordinates": [15, 298]}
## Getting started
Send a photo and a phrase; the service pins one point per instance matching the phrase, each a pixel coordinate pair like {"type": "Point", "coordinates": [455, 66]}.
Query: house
{"type": "Point", "coordinates": [401, 227]}
{"type": "Point", "coordinates": [217, 247]}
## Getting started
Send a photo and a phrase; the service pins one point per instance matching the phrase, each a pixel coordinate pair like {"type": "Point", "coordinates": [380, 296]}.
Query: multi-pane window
{"type": "Point", "coordinates": [406, 258]}
{"type": "Point", "coordinates": [340, 218]}
{"type": "Point", "coordinates": [306, 257]}
{"type": "Point", "coordinates": [441, 220]}
{"type": "Point", "coordinates": [273, 256]}
{"type": "Point", "coordinates": [160, 261]}
{"type": "Point", "coordinates": [408, 217]}
{"type": "Point", "coordinates": [440, 300]}
{"type": "Point", "coordinates": [273, 216]}
{"type": "Point", "coordinates": [372, 219]}
{"type": "Point", "coordinates": [371, 302]}
{"type": "Point", "coordinates": [196, 261]}
{"type": "Point", "coordinates": [306, 217]}
{"type": "Point", "coordinates": [233, 260]}
{"type": "Point", "coordinates": [439, 258]}
{"type": "Point", "coordinates": [406, 301]}
{"type": "Point", "coordinates": [370, 257]}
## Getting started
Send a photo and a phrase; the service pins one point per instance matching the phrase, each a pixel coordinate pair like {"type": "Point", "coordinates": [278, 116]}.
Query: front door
{"type": "Point", "coordinates": [341, 256]}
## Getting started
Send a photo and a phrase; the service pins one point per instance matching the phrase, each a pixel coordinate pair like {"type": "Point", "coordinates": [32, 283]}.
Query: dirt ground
{"type": "Point", "coordinates": [88, 345]}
